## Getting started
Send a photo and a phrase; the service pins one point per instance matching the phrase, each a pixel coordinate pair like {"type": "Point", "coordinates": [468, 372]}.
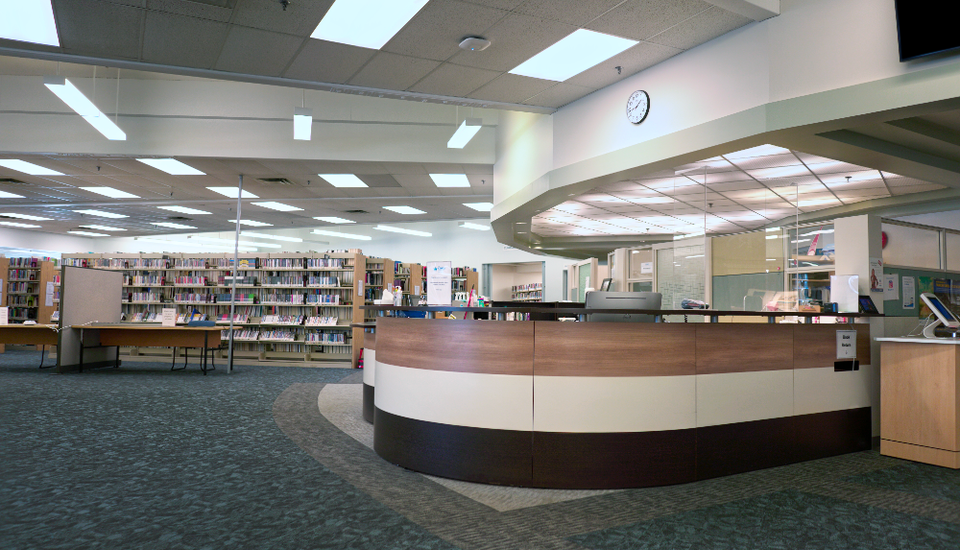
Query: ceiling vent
{"type": "Point", "coordinates": [355, 212]}
{"type": "Point", "coordinates": [275, 181]}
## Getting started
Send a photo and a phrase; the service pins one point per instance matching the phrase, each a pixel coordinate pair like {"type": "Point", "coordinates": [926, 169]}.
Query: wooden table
{"type": "Point", "coordinates": [204, 338]}
{"type": "Point", "coordinates": [35, 335]}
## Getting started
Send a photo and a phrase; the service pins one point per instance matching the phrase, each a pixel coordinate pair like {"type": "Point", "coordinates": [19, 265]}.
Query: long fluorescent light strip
{"type": "Point", "coordinates": [110, 192]}
{"type": "Point", "coordinates": [101, 214]}
{"type": "Point", "coordinates": [479, 206]}
{"type": "Point", "coordinates": [450, 180]}
{"type": "Point", "coordinates": [465, 132]}
{"type": "Point", "coordinates": [172, 225]}
{"type": "Point", "coordinates": [184, 210]}
{"type": "Point", "coordinates": [173, 167]}
{"type": "Point", "coordinates": [26, 217]}
{"type": "Point", "coordinates": [252, 223]}
{"type": "Point", "coordinates": [88, 233]}
{"type": "Point", "coordinates": [409, 210]}
{"type": "Point", "coordinates": [342, 235]}
{"type": "Point", "coordinates": [273, 205]}
{"type": "Point", "coordinates": [333, 219]}
{"type": "Point", "coordinates": [5, 195]}
{"type": "Point", "coordinates": [74, 98]}
{"type": "Point", "coordinates": [231, 192]}
{"type": "Point", "coordinates": [31, 21]}
{"type": "Point", "coordinates": [268, 236]}
{"type": "Point", "coordinates": [366, 23]}
{"type": "Point", "coordinates": [17, 224]}
{"type": "Point", "coordinates": [302, 123]}
{"type": "Point", "coordinates": [393, 229]}
{"type": "Point", "coordinates": [229, 242]}
{"type": "Point", "coordinates": [103, 227]}
{"type": "Point", "coordinates": [28, 168]}
{"type": "Point", "coordinates": [475, 226]}
{"type": "Point", "coordinates": [572, 55]}
{"type": "Point", "coordinates": [343, 180]}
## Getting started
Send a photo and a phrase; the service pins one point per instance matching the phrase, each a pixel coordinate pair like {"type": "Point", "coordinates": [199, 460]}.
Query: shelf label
{"type": "Point", "coordinates": [439, 291]}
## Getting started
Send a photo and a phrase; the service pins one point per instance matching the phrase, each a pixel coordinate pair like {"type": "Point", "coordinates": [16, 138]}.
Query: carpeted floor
{"type": "Point", "coordinates": [142, 457]}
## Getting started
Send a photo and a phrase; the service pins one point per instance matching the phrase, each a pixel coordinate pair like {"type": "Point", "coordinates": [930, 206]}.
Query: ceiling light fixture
{"type": "Point", "coordinates": [184, 210]}
{"type": "Point", "coordinates": [173, 167]}
{"type": "Point", "coordinates": [465, 132]}
{"type": "Point", "coordinates": [333, 219]}
{"type": "Point", "coordinates": [173, 225]}
{"type": "Point", "coordinates": [476, 226]}
{"type": "Point", "coordinates": [252, 223]}
{"type": "Point", "coordinates": [343, 235]}
{"type": "Point", "coordinates": [28, 168]}
{"type": "Point", "coordinates": [103, 227]}
{"type": "Point", "coordinates": [268, 236]}
{"type": "Point", "coordinates": [572, 55]}
{"type": "Point", "coordinates": [101, 214]}
{"type": "Point", "coordinates": [74, 98]}
{"type": "Point", "coordinates": [29, 22]}
{"type": "Point", "coordinates": [479, 206]}
{"type": "Point", "coordinates": [450, 180]}
{"type": "Point", "coordinates": [110, 192]}
{"type": "Point", "coordinates": [408, 210]}
{"type": "Point", "coordinates": [231, 192]}
{"type": "Point", "coordinates": [17, 224]}
{"type": "Point", "coordinates": [230, 242]}
{"type": "Point", "coordinates": [25, 217]}
{"type": "Point", "coordinates": [366, 23]}
{"type": "Point", "coordinates": [393, 229]}
{"type": "Point", "coordinates": [5, 195]}
{"type": "Point", "coordinates": [302, 123]}
{"type": "Point", "coordinates": [277, 206]}
{"type": "Point", "coordinates": [343, 180]}
{"type": "Point", "coordinates": [88, 233]}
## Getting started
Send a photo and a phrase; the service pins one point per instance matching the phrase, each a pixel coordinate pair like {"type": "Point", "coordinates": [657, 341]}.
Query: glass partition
{"type": "Point", "coordinates": [911, 246]}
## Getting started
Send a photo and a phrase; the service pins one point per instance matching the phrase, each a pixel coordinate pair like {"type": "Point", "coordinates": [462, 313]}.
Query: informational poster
{"type": "Point", "coordinates": [846, 344]}
{"type": "Point", "coordinates": [4, 315]}
{"type": "Point", "coordinates": [646, 267]}
{"type": "Point", "coordinates": [439, 284]}
{"type": "Point", "coordinates": [876, 275]}
{"type": "Point", "coordinates": [168, 317]}
{"type": "Point", "coordinates": [48, 299]}
{"type": "Point", "coordinates": [891, 286]}
{"type": "Point", "coordinates": [909, 293]}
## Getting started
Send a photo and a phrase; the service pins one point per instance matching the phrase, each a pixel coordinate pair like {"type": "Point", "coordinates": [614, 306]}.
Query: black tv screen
{"type": "Point", "coordinates": [925, 27]}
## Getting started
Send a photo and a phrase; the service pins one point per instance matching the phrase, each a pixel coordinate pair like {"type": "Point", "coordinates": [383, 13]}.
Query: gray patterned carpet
{"type": "Point", "coordinates": [141, 457]}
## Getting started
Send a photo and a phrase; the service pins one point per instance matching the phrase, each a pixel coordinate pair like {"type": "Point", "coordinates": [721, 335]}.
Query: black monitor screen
{"type": "Point", "coordinates": [925, 27]}
{"type": "Point", "coordinates": [622, 300]}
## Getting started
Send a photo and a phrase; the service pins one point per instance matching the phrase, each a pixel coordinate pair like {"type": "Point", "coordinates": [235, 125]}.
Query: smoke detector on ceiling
{"type": "Point", "coordinates": [474, 44]}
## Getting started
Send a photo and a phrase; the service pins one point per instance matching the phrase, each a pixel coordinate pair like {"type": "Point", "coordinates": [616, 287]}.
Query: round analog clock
{"type": "Point", "coordinates": [638, 106]}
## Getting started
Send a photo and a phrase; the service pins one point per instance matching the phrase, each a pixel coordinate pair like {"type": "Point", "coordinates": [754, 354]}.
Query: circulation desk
{"type": "Point", "coordinates": [606, 405]}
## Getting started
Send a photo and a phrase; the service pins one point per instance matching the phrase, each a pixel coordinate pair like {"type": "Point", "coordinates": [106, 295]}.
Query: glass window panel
{"type": "Point", "coordinates": [811, 246]}
{"type": "Point", "coordinates": [953, 251]}
{"type": "Point", "coordinates": [911, 246]}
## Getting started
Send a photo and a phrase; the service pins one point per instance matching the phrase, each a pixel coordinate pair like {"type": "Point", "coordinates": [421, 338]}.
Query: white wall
{"type": "Point", "coordinates": [35, 240]}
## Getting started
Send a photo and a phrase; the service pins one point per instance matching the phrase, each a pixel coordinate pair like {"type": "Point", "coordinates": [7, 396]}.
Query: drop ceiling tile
{"type": "Point", "coordinates": [514, 39]}
{"type": "Point", "coordinates": [559, 95]}
{"type": "Point", "coordinates": [641, 19]}
{"type": "Point", "coordinates": [573, 12]}
{"type": "Point", "coordinates": [299, 18]}
{"type": "Point", "coordinates": [215, 11]}
{"type": "Point", "coordinates": [435, 33]}
{"type": "Point", "coordinates": [511, 88]}
{"type": "Point", "coordinates": [393, 72]}
{"type": "Point", "coordinates": [253, 51]}
{"type": "Point", "coordinates": [834, 167]}
{"type": "Point", "coordinates": [704, 27]}
{"type": "Point", "coordinates": [324, 61]}
{"type": "Point", "coordinates": [735, 186]}
{"type": "Point", "coordinates": [185, 41]}
{"type": "Point", "coordinates": [908, 189]}
{"type": "Point", "coordinates": [894, 180]}
{"type": "Point", "coordinates": [98, 29]}
{"type": "Point", "coordinates": [454, 80]}
{"type": "Point", "coordinates": [379, 180]}
{"type": "Point", "coordinates": [631, 62]}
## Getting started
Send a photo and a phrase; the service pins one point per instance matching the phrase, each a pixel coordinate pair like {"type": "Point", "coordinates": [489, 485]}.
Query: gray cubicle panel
{"type": "Point", "coordinates": [87, 296]}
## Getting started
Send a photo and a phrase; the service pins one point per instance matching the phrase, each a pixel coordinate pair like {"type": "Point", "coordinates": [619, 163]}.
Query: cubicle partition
{"type": "Point", "coordinates": [87, 296]}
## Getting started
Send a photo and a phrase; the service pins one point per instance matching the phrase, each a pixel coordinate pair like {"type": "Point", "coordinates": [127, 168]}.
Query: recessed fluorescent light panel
{"type": "Point", "coordinates": [342, 235]}
{"type": "Point", "coordinates": [252, 223]}
{"type": "Point", "coordinates": [28, 167]}
{"type": "Point", "coordinates": [333, 219]}
{"type": "Point", "coordinates": [30, 21]}
{"type": "Point", "coordinates": [101, 214]}
{"type": "Point", "coordinates": [184, 210]}
{"type": "Point", "coordinates": [465, 132]}
{"type": "Point", "coordinates": [16, 224]}
{"type": "Point", "coordinates": [277, 206]}
{"type": "Point", "coordinates": [366, 23]}
{"type": "Point", "coordinates": [475, 226]}
{"type": "Point", "coordinates": [302, 123]}
{"type": "Point", "coordinates": [343, 180]}
{"type": "Point", "coordinates": [5, 195]}
{"type": "Point", "coordinates": [103, 227]}
{"type": "Point", "coordinates": [110, 192]}
{"type": "Point", "coordinates": [572, 55]}
{"type": "Point", "coordinates": [255, 235]}
{"type": "Point", "coordinates": [88, 233]}
{"type": "Point", "coordinates": [173, 167]}
{"type": "Point", "coordinates": [25, 217]}
{"type": "Point", "coordinates": [479, 206]}
{"type": "Point", "coordinates": [393, 229]}
{"type": "Point", "coordinates": [450, 180]}
{"type": "Point", "coordinates": [173, 225]}
{"type": "Point", "coordinates": [74, 98]}
{"type": "Point", "coordinates": [404, 210]}
{"type": "Point", "coordinates": [231, 192]}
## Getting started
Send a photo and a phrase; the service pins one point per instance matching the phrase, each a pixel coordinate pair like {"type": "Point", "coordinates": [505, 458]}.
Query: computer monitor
{"type": "Point", "coordinates": [944, 316]}
{"type": "Point", "coordinates": [605, 285]}
{"type": "Point", "coordinates": [622, 300]}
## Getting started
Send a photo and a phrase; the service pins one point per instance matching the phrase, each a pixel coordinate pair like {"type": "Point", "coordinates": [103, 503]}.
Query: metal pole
{"type": "Point", "coordinates": [233, 285]}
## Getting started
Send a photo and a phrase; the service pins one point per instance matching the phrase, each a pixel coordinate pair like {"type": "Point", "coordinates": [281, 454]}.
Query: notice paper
{"type": "Point", "coordinates": [909, 293]}
{"type": "Point", "coordinates": [4, 315]}
{"type": "Point", "coordinates": [876, 275]}
{"type": "Point", "coordinates": [891, 286]}
{"type": "Point", "coordinates": [48, 300]}
{"type": "Point", "coordinates": [168, 317]}
{"type": "Point", "coordinates": [438, 284]}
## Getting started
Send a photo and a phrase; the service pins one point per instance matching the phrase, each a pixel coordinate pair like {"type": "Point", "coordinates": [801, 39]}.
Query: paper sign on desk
{"type": "Point", "coordinates": [4, 315]}
{"type": "Point", "coordinates": [168, 317]}
{"type": "Point", "coordinates": [48, 301]}
{"type": "Point", "coordinates": [439, 284]}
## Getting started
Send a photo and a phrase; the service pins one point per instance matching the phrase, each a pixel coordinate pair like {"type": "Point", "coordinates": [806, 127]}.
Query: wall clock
{"type": "Point", "coordinates": [638, 106]}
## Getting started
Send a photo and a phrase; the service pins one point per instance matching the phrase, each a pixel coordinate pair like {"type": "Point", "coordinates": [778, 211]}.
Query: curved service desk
{"type": "Point", "coordinates": [605, 405]}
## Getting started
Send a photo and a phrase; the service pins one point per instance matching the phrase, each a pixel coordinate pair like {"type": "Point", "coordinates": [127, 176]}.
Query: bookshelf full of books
{"type": "Point", "coordinates": [31, 289]}
{"type": "Point", "coordinates": [532, 292]}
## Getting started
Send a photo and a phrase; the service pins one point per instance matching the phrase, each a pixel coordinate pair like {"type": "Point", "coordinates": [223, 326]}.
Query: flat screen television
{"type": "Point", "coordinates": [924, 27]}
{"type": "Point", "coordinates": [622, 300]}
